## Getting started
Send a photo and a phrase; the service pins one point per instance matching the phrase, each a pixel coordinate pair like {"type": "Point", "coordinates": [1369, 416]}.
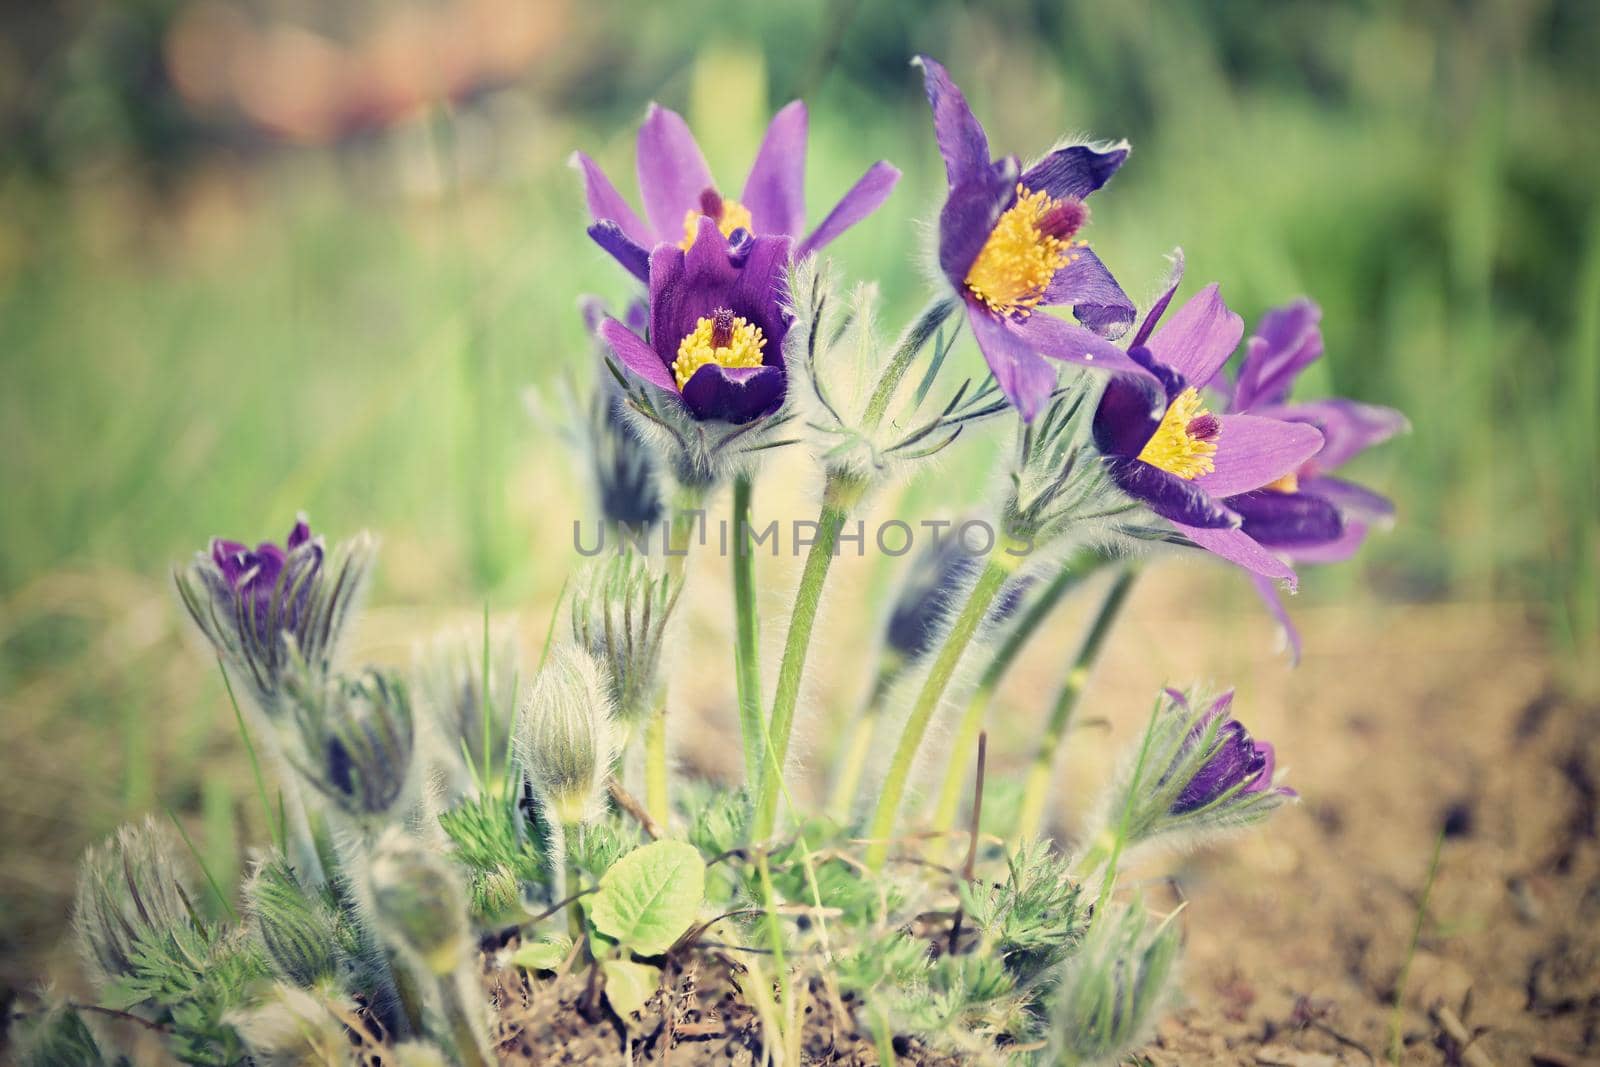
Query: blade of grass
{"type": "Point", "coordinates": [275, 827]}
{"type": "Point", "coordinates": [205, 868]}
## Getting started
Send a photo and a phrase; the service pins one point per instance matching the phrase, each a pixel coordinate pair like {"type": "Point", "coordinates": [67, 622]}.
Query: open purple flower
{"type": "Point", "coordinates": [1007, 244]}
{"type": "Point", "coordinates": [1165, 449]}
{"type": "Point", "coordinates": [1287, 516]}
{"type": "Point", "coordinates": [1234, 764]}
{"type": "Point", "coordinates": [678, 191]}
{"type": "Point", "coordinates": [717, 325]}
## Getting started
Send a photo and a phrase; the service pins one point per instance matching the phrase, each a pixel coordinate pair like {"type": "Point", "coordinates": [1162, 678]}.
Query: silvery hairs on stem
{"type": "Point", "coordinates": [131, 893]}
{"type": "Point", "coordinates": [566, 737]}
{"type": "Point", "coordinates": [357, 738]}
{"type": "Point", "coordinates": [620, 611]}
{"type": "Point", "coordinates": [840, 371]}
{"type": "Point", "coordinates": [1115, 986]}
{"type": "Point", "coordinates": [261, 608]}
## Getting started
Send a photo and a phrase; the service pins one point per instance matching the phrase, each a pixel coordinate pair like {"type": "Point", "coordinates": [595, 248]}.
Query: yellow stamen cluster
{"type": "Point", "coordinates": [735, 216]}
{"type": "Point", "coordinates": [1289, 483]}
{"type": "Point", "coordinates": [1019, 259]}
{"type": "Point", "coordinates": [698, 348]}
{"type": "Point", "coordinates": [1173, 448]}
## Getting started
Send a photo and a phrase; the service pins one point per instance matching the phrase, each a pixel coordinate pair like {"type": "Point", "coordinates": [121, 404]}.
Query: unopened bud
{"type": "Point", "coordinates": [295, 930]}
{"type": "Point", "coordinates": [130, 895]}
{"type": "Point", "coordinates": [566, 737]}
{"type": "Point", "coordinates": [57, 1038]}
{"type": "Point", "coordinates": [620, 611]}
{"type": "Point", "coordinates": [357, 735]}
{"type": "Point", "coordinates": [419, 901]}
{"type": "Point", "coordinates": [1115, 986]}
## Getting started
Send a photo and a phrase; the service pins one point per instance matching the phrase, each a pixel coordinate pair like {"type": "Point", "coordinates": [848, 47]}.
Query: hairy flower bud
{"type": "Point", "coordinates": [264, 608]}
{"type": "Point", "coordinates": [295, 930]}
{"type": "Point", "coordinates": [130, 895]}
{"type": "Point", "coordinates": [357, 736]}
{"type": "Point", "coordinates": [566, 737]}
{"type": "Point", "coordinates": [620, 611]}
{"type": "Point", "coordinates": [1114, 987]}
{"type": "Point", "coordinates": [56, 1038]}
{"type": "Point", "coordinates": [419, 901]}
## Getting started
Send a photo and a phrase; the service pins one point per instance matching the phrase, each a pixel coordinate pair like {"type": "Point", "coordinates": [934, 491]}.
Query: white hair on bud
{"type": "Point", "coordinates": [567, 734]}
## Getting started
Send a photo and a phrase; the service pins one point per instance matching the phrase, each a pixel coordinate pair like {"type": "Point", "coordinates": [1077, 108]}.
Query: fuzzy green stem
{"type": "Point", "coordinates": [1039, 608]}
{"type": "Point", "coordinates": [842, 492]}
{"type": "Point", "coordinates": [843, 796]}
{"type": "Point", "coordinates": [467, 1037]}
{"type": "Point", "coordinates": [656, 799]}
{"type": "Point", "coordinates": [1042, 771]}
{"type": "Point", "coordinates": [746, 649]}
{"type": "Point", "coordinates": [933, 687]}
{"type": "Point", "coordinates": [912, 342]}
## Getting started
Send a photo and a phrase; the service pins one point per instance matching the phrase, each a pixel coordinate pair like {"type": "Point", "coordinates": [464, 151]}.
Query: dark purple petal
{"type": "Point", "coordinates": [637, 356]}
{"type": "Point", "coordinates": [1349, 498]}
{"type": "Point", "coordinates": [1097, 300]}
{"type": "Point", "coordinates": [687, 286]}
{"type": "Point", "coordinates": [1285, 343]}
{"type": "Point", "coordinates": [1349, 427]}
{"type": "Point", "coordinates": [1159, 307]}
{"type": "Point", "coordinates": [605, 203]}
{"type": "Point", "coordinates": [301, 534]}
{"type": "Point", "coordinates": [1130, 410]}
{"type": "Point", "coordinates": [734, 394]}
{"type": "Point", "coordinates": [775, 192]}
{"type": "Point", "coordinates": [1075, 171]}
{"type": "Point", "coordinates": [1174, 499]}
{"type": "Point", "coordinates": [1338, 550]}
{"type": "Point", "coordinates": [672, 172]}
{"type": "Point", "coordinates": [962, 142]}
{"type": "Point", "coordinates": [1237, 547]}
{"type": "Point", "coordinates": [232, 559]}
{"type": "Point", "coordinates": [969, 215]}
{"type": "Point", "coordinates": [1060, 339]}
{"type": "Point", "coordinates": [1267, 590]}
{"type": "Point", "coordinates": [1287, 521]}
{"type": "Point", "coordinates": [1199, 337]}
{"type": "Point", "coordinates": [633, 256]}
{"type": "Point", "coordinates": [864, 197]}
{"type": "Point", "coordinates": [1025, 378]}
{"type": "Point", "coordinates": [1252, 451]}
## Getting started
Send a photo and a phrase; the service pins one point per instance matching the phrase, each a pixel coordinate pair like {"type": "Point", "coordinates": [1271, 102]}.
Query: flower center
{"type": "Point", "coordinates": [1186, 439]}
{"type": "Point", "coordinates": [1289, 483]}
{"type": "Point", "coordinates": [722, 338]}
{"type": "Point", "coordinates": [729, 215]}
{"type": "Point", "coordinates": [1028, 245]}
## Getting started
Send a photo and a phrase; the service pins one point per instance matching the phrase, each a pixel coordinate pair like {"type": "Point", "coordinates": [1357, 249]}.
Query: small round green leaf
{"type": "Point", "coordinates": [541, 955]}
{"type": "Point", "coordinates": [629, 984]}
{"type": "Point", "coordinates": [650, 896]}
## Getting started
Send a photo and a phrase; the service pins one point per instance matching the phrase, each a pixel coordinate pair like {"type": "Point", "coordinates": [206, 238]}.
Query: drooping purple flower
{"type": "Point", "coordinates": [931, 590]}
{"type": "Point", "coordinates": [1008, 246]}
{"type": "Point", "coordinates": [678, 191]}
{"type": "Point", "coordinates": [1285, 516]}
{"type": "Point", "coordinates": [717, 325]}
{"type": "Point", "coordinates": [1164, 448]}
{"type": "Point", "coordinates": [1235, 763]}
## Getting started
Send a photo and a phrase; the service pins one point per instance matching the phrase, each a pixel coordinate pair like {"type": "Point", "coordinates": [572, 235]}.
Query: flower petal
{"type": "Point", "coordinates": [637, 356]}
{"type": "Point", "coordinates": [1075, 171]}
{"type": "Point", "coordinates": [734, 394]}
{"type": "Point", "coordinates": [1025, 378]}
{"type": "Point", "coordinates": [1060, 339]}
{"type": "Point", "coordinates": [1159, 307]}
{"type": "Point", "coordinates": [962, 142]}
{"type": "Point", "coordinates": [1267, 590]}
{"type": "Point", "coordinates": [1348, 426]}
{"type": "Point", "coordinates": [775, 191]}
{"type": "Point", "coordinates": [606, 203]}
{"type": "Point", "coordinates": [1097, 300]}
{"type": "Point", "coordinates": [632, 255]}
{"type": "Point", "coordinates": [1252, 451]}
{"type": "Point", "coordinates": [672, 172]}
{"type": "Point", "coordinates": [1285, 343]}
{"type": "Point", "coordinates": [1130, 409]}
{"type": "Point", "coordinates": [1175, 499]}
{"type": "Point", "coordinates": [1287, 522]}
{"type": "Point", "coordinates": [1198, 339]}
{"type": "Point", "coordinates": [864, 197]}
{"type": "Point", "coordinates": [1237, 547]}
{"type": "Point", "coordinates": [1337, 551]}
{"type": "Point", "coordinates": [969, 216]}
{"type": "Point", "coordinates": [1350, 498]}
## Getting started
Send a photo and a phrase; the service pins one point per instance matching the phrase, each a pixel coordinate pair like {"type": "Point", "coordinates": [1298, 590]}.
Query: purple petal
{"type": "Point", "coordinates": [1267, 590]}
{"type": "Point", "coordinates": [969, 215]}
{"type": "Point", "coordinates": [593, 310]}
{"type": "Point", "coordinates": [1025, 378]}
{"type": "Point", "coordinates": [1287, 522]}
{"type": "Point", "coordinates": [734, 394]}
{"type": "Point", "coordinates": [637, 356]}
{"type": "Point", "coordinates": [864, 197]}
{"type": "Point", "coordinates": [1348, 426]}
{"type": "Point", "coordinates": [962, 142]}
{"type": "Point", "coordinates": [1159, 308]}
{"type": "Point", "coordinates": [1075, 171]}
{"type": "Point", "coordinates": [1285, 343]}
{"type": "Point", "coordinates": [1336, 551]}
{"type": "Point", "coordinates": [1175, 499]}
{"type": "Point", "coordinates": [1252, 451]}
{"type": "Point", "coordinates": [1097, 300]}
{"type": "Point", "coordinates": [1060, 339]}
{"type": "Point", "coordinates": [1199, 337]}
{"type": "Point", "coordinates": [1130, 409]}
{"type": "Point", "coordinates": [672, 172]}
{"type": "Point", "coordinates": [1237, 547]}
{"type": "Point", "coordinates": [632, 255]}
{"type": "Point", "coordinates": [1350, 498]}
{"type": "Point", "coordinates": [299, 535]}
{"type": "Point", "coordinates": [775, 192]}
{"type": "Point", "coordinates": [606, 203]}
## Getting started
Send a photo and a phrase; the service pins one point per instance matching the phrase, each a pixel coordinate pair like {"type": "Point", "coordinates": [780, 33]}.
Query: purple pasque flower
{"type": "Point", "coordinates": [1234, 764]}
{"type": "Point", "coordinates": [678, 191]}
{"type": "Point", "coordinates": [1287, 516]}
{"type": "Point", "coordinates": [269, 584]}
{"type": "Point", "coordinates": [717, 325]}
{"type": "Point", "coordinates": [1164, 448]}
{"type": "Point", "coordinates": [1008, 246]}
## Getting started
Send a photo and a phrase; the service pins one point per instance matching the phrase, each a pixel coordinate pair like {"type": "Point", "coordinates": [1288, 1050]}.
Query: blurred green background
{"type": "Point", "coordinates": [275, 255]}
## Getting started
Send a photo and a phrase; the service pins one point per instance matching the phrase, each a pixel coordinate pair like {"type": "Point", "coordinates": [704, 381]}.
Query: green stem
{"type": "Point", "coordinates": [912, 342]}
{"type": "Point", "coordinates": [1039, 608]}
{"type": "Point", "coordinates": [843, 796]}
{"type": "Point", "coordinates": [467, 1037]}
{"type": "Point", "coordinates": [1042, 771]}
{"type": "Point", "coordinates": [746, 649]}
{"type": "Point", "coordinates": [656, 800]}
{"type": "Point", "coordinates": [841, 493]}
{"type": "Point", "coordinates": [933, 687]}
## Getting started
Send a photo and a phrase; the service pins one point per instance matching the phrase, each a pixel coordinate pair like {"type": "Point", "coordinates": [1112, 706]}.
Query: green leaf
{"type": "Point", "coordinates": [650, 896]}
{"type": "Point", "coordinates": [542, 955]}
{"type": "Point", "coordinates": [629, 984]}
